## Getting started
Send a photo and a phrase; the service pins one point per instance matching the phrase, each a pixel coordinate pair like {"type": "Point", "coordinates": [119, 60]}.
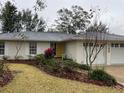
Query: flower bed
{"type": "Point", "coordinates": [5, 74]}
{"type": "Point", "coordinates": [6, 77]}
{"type": "Point", "coordinates": [69, 69]}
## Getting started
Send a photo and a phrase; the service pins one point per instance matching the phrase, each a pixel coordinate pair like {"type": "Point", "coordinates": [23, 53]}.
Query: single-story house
{"type": "Point", "coordinates": [26, 44]}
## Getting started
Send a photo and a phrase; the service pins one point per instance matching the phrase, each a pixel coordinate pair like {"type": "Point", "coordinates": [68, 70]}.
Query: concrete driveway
{"type": "Point", "coordinates": [116, 71]}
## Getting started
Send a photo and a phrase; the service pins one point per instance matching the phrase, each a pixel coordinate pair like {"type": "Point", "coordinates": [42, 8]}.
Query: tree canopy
{"type": "Point", "coordinates": [8, 17]}
{"type": "Point", "coordinates": [69, 21]}
{"type": "Point", "coordinates": [39, 5]}
{"type": "Point", "coordinates": [97, 27]}
{"type": "Point", "coordinates": [16, 21]}
{"type": "Point", "coordinates": [30, 22]}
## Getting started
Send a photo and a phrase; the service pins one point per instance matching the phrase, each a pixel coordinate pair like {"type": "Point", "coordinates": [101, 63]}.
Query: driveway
{"type": "Point", "coordinates": [117, 71]}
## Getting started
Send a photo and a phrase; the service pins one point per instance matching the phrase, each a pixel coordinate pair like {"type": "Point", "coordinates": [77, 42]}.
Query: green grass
{"type": "Point", "coordinates": [29, 79]}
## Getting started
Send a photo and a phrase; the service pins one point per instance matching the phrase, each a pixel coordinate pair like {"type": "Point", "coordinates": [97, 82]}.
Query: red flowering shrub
{"type": "Point", "coordinates": [49, 53]}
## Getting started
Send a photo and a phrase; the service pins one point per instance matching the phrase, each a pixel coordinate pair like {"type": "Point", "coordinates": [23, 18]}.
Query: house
{"type": "Point", "coordinates": [26, 44]}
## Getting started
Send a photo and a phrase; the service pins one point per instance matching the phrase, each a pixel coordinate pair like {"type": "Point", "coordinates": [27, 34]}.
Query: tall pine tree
{"type": "Point", "coordinates": [8, 17]}
{"type": "Point", "coordinates": [17, 21]}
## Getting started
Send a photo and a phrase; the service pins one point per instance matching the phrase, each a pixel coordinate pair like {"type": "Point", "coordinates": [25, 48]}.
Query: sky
{"type": "Point", "coordinates": [112, 11]}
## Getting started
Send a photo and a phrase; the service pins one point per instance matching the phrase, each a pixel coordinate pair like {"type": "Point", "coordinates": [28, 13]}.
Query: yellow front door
{"type": "Point", "coordinates": [60, 49]}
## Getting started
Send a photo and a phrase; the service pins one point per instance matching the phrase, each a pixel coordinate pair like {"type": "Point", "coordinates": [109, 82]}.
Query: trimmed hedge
{"type": "Point", "coordinates": [73, 65]}
{"type": "Point", "coordinates": [49, 64]}
{"type": "Point", "coordinates": [53, 65]}
{"type": "Point", "coordinates": [103, 76]}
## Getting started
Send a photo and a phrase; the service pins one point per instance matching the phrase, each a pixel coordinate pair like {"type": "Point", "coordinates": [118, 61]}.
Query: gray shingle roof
{"type": "Point", "coordinates": [106, 36]}
{"type": "Point", "coordinates": [36, 36]}
{"type": "Point", "coordinates": [52, 36]}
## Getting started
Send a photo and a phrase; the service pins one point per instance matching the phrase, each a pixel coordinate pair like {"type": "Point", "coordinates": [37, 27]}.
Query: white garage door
{"type": "Point", "coordinates": [117, 55]}
{"type": "Point", "coordinates": [100, 58]}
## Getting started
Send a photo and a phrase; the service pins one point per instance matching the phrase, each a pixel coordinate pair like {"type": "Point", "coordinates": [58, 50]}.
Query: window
{"type": "Point", "coordinates": [121, 45]}
{"type": "Point", "coordinates": [33, 48]}
{"type": "Point", "coordinates": [112, 45]}
{"type": "Point", "coordinates": [116, 45]}
{"type": "Point", "coordinates": [87, 44]}
{"type": "Point", "coordinates": [91, 44]}
{"type": "Point", "coordinates": [2, 48]}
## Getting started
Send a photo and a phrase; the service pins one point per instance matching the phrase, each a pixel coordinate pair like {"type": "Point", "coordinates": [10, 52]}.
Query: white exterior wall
{"type": "Point", "coordinates": [73, 50]}
{"type": "Point", "coordinates": [70, 50]}
{"type": "Point", "coordinates": [101, 57]}
{"type": "Point", "coordinates": [10, 49]}
{"type": "Point", "coordinates": [42, 46]}
{"type": "Point", "coordinates": [76, 51]}
{"type": "Point", "coordinates": [81, 55]}
{"type": "Point", "coordinates": [108, 54]}
{"type": "Point", "coordinates": [80, 52]}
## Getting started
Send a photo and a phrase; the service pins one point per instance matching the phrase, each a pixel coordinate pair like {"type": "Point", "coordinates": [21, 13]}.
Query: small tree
{"type": "Point", "coordinates": [19, 44]}
{"type": "Point", "coordinates": [94, 41]}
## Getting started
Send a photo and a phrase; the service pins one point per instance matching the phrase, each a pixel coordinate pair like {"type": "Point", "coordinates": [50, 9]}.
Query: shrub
{"type": "Point", "coordinates": [51, 65]}
{"type": "Point", "coordinates": [5, 57]}
{"type": "Point", "coordinates": [64, 57]}
{"type": "Point", "coordinates": [49, 53]}
{"type": "Point", "coordinates": [84, 67]}
{"type": "Point", "coordinates": [1, 67]}
{"type": "Point", "coordinates": [51, 62]}
{"type": "Point", "coordinates": [40, 58]}
{"type": "Point", "coordinates": [70, 64]}
{"type": "Point", "coordinates": [101, 75]}
{"type": "Point", "coordinates": [73, 65]}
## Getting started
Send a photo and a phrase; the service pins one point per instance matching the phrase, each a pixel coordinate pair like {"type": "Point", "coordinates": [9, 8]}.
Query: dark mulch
{"type": "Point", "coordinates": [30, 62]}
{"type": "Point", "coordinates": [5, 78]}
{"type": "Point", "coordinates": [78, 76]}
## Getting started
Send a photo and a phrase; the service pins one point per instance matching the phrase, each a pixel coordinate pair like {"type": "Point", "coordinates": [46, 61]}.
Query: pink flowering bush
{"type": "Point", "coordinates": [49, 53]}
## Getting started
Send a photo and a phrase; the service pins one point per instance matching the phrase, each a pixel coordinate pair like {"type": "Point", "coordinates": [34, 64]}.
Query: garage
{"type": "Point", "coordinates": [101, 58]}
{"type": "Point", "coordinates": [117, 53]}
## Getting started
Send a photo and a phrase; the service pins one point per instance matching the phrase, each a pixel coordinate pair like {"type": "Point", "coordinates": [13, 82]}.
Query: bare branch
{"type": "Point", "coordinates": [95, 41]}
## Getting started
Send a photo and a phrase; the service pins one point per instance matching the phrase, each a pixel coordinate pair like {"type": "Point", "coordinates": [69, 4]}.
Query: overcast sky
{"type": "Point", "coordinates": [112, 11]}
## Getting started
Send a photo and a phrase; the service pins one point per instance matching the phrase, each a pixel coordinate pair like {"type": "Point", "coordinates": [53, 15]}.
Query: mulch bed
{"type": "Point", "coordinates": [5, 78]}
{"type": "Point", "coordinates": [30, 62]}
{"type": "Point", "coordinates": [78, 76]}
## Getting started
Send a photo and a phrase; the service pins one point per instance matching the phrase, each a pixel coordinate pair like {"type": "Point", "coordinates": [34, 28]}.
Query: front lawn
{"type": "Point", "coordinates": [29, 79]}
